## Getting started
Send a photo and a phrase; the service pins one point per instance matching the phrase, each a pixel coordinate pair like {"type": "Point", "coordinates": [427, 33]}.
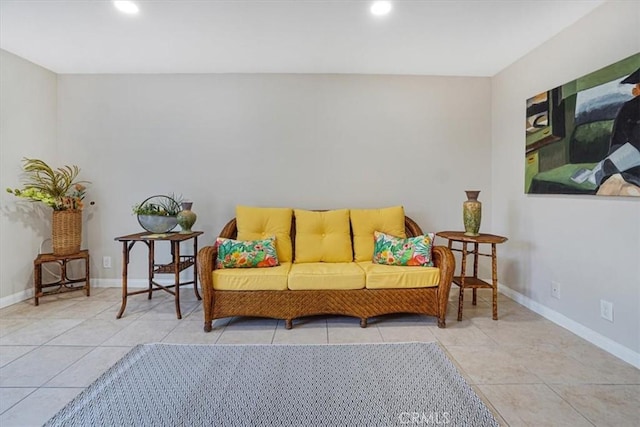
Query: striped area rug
{"type": "Point", "coordinates": [279, 385]}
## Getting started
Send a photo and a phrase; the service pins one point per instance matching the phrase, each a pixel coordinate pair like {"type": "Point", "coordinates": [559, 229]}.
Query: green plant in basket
{"type": "Point", "coordinates": [159, 206]}
{"type": "Point", "coordinates": [158, 214]}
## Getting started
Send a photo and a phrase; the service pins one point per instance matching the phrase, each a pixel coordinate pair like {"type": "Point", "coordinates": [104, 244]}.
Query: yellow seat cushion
{"type": "Point", "coordinates": [255, 223]}
{"type": "Point", "coordinates": [380, 276]}
{"type": "Point", "coordinates": [252, 279]}
{"type": "Point", "coordinates": [365, 221]}
{"type": "Point", "coordinates": [323, 236]}
{"type": "Point", "coordinates": [324, 275]}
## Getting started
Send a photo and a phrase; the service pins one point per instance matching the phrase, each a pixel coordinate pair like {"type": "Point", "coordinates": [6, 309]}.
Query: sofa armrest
{"type": "Point", "coordinates": [444, 260]}
{"type": "Point", "coordinates": [206, 264]}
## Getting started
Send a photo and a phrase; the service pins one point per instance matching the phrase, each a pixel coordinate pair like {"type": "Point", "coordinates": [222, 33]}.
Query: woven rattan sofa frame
{"type": "Point", "coordinates": [288, 305]}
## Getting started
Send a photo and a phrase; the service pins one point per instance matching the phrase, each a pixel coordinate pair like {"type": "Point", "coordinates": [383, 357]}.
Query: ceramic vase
{"type": "Point", "coordinates": [186, 218]}
{"type": "Point", "coordinates": [472, 213]}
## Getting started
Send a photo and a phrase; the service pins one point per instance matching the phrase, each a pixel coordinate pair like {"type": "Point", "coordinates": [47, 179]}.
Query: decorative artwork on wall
{"type": "Point", "coordinates": [584, 137]}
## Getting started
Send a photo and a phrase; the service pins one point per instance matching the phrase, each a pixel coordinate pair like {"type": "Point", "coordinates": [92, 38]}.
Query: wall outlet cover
{"type": "Point", "coordinates": [606, 310]}
{"type": "Point", "coordinates": [555, 289]}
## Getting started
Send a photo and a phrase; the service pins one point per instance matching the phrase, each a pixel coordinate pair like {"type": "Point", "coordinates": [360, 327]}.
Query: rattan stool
{"type": "Point", "coordinates": [65, 283]}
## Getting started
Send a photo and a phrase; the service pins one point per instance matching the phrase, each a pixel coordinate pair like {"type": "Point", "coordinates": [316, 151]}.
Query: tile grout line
{"type": "Point", "coordinates": [9, 408]}
{"type": "Point", "coordinates": [570, 405]}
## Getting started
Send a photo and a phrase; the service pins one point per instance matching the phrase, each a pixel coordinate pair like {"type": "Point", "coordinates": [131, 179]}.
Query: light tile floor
{"type": "Point", "coordinates": [528, 370]}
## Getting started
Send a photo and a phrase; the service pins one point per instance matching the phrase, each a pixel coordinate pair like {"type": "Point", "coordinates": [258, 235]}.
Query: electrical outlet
{"type": "Point", "coordinates": [555, 289]}
{"type": "Point", "coordinates": [106, 262]}
{"type": "Point", "coordinates": [606, 310]}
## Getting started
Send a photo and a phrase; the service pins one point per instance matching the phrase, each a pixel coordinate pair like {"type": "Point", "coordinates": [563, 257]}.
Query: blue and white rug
{"type": "Point", "coordinates": [279, 385]}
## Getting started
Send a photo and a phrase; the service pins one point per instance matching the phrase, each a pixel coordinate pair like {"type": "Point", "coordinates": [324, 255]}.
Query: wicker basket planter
{"type": "Point", "coordinates": [66, 232]}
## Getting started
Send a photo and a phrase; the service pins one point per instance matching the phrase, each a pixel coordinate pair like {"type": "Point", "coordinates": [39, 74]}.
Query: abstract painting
{"type": "Point", "coordinates": [584, 137]}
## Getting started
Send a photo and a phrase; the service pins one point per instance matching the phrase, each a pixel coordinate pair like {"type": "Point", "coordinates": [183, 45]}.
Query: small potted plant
{"type": "Point", "coordinates": [158, 214]}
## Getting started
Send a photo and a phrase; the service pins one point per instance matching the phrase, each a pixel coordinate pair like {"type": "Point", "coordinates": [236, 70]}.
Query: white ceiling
{"type": "Point", "coordinates": [429, 37]}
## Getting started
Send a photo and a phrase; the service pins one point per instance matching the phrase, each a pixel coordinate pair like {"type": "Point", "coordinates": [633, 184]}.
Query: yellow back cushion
{"type": "Point", "coordinates": [258, 223]}
{"type": "Point", "coordinates": [323, 236]}
{"type": "Point", "coordinates": [365, 221]}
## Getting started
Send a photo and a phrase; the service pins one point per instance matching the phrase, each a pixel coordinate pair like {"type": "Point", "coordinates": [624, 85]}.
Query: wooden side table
{"type": "Point", "coordinates": [65, 283]}
{"type": "Point", "coordinates": [178, 263]}
{"type": "Point", "coordinates": [474, 282]}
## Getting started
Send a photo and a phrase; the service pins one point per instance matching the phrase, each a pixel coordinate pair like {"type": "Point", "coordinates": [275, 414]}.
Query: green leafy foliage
{"type": "Point", "coordinates": [159, 205]}
{"type": "Point", "coordinates": [56, 188]}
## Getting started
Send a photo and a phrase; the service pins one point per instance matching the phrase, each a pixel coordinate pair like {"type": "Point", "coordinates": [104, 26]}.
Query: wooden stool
{"type": "Point", "coordinates": [64, 284]}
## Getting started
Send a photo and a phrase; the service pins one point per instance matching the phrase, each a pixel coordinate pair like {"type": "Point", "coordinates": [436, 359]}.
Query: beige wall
{"type": "Point", "coordinates": [308, 141]}
{"type": "Point", "coordinates": [27, 129]}
{"type": "Point", "coordinates": [590, 245]}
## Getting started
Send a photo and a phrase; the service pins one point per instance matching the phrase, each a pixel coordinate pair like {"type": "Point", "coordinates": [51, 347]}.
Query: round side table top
{"type": "Point", "coordinates": [459, 236]}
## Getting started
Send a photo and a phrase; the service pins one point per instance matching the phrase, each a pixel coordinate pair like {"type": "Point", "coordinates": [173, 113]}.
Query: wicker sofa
{"type": "Point", "coordinates": [288, 304]}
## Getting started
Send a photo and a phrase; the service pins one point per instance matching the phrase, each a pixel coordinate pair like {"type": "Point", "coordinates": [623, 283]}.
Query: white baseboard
{"type": "Point", "coordinates": [582, 331]}
{"type": "Point", "coordinates": [17, 297]}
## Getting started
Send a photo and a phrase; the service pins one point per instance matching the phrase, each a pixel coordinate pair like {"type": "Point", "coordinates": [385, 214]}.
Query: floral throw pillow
{"type": "Point", "coordinates": [246, 253]}
{"type": "Point", "coordinates": [412, 251]}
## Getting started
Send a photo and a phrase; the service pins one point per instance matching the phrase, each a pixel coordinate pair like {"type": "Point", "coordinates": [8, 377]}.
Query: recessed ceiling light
{"type": "Point", "coordinates": [380, 8]}
{"type": "Point", "coordinates": [126, 6]}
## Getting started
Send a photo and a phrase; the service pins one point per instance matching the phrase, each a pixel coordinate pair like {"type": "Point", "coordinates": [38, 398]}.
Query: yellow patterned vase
{"type": "Point", "coordinates": [472, 213]}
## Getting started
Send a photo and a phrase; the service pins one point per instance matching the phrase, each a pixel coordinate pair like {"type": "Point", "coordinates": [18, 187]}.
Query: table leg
{"type": "Point", "coordinates": [195, 267]}
{"type": "Point", "coordinates": [176, 268]}
{"type": "Point", "coordinates": [475, 271]}
{"type": "Point", "coordinates": [87, 274]}
{"type": "Point", "coordinates": [64, 278]}
{"type": "Point", "coordinates": [125, 274]}
{"type": "Point", "coordinates": [494, 280]}
{"type": "Point", "coordinates": [37, 281]}
{"type": "Point", "coordinates": [152, 261]}
{"type": "Point", "coordinates": [462, 273]}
